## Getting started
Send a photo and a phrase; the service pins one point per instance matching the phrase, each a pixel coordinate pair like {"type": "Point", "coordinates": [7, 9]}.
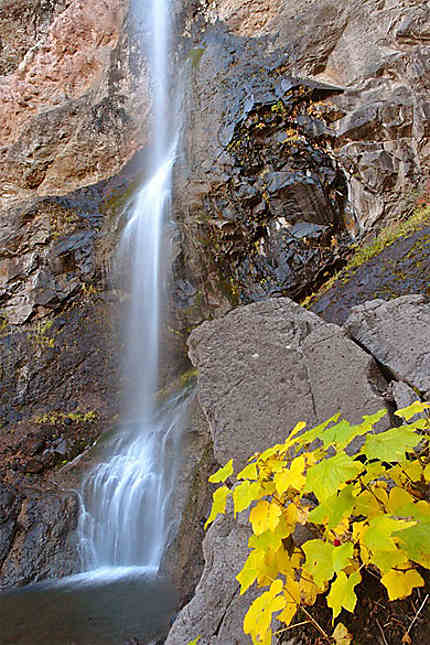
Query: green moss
{"type": "Point", "coordinates": [40, 337]}
{"type": "Point", "coordinates": [120, 199]}
{"type": "Point", "coordinates": [362, 254]}
{"type": "Point", "coordinates": [57, 417]}
{"type": "Point", "coordinates": [195, 55]}
{"type": "Point", "coordinates": [183, 382]}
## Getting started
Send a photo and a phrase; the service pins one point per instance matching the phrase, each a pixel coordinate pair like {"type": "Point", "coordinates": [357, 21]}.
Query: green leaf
{"type": "Point", "coordinates": [342, 556]}
{"type": "Point", "coordinates": [390, 445]}
{"type": "Point", "coordinates": [195, 641]}
{"type": "Point", "coordinates": [313, 433]}
{"type": "Point", "coordinates": [319, 560]}
{"type": "Point", "coordinates": [246, 493]}
{"type": "Point", "coordinates": [387, 560]}
{"type": "Point", "coordinates": [334, 509]}
{"type": "Point", "coordinates": [222, 474]}
{"type": "Point", "coordinates": [325, 478]}
{"type": "Point", "coordinates": [341, 434]}
{"type": "Point", "coordinates": [370, 420]}
{"type": "Point", "coordinates": [416, 542]}
{"type": "Point", "coordinates": [415, 408]}
{"type": "Point", "coordinates": [218, 504]}
{"type": "Point", "coordinates": [342, 593]}
{"type": "Point", "coordinates": [381, 527]}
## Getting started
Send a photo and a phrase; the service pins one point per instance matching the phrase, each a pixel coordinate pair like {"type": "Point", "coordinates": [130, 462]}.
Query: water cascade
{"type": "Point", "coordinates": [125, 522]}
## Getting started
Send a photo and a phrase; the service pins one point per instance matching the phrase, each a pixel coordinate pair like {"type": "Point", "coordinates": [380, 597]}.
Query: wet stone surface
{"type": "Point", "coordinates": [278, 222]}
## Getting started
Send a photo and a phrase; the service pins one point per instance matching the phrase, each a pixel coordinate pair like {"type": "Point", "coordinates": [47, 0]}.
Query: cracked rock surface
{"type": "Point", "coordinates": [397, 334]}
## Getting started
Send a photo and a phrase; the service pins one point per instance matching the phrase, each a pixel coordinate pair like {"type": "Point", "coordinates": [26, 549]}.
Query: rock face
{"type": "Point", "coordinates": [36, 536]}
{"type": "Point", "coordinates": [382, 120]}
{"type": "Point", "coordinates": [264, 367]}
{"type": "Point", "coordinates": [400, 269]}
{"type": "Point", "coordinates": [277, 174]}
{"type": "Point", "coordinates": [184, 562]}
{"type": "Point", "coordinates": [397, 334]}
{"type": "Point", "coordinates": [72, 113]}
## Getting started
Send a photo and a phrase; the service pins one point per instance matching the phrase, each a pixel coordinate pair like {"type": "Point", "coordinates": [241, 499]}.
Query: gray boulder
{"type": "Point", "coordinates": [397, 334]}
{"type": "Point", "coordinates": [266, 366]}
{"type": "Point", "coordinates": [262, 368]}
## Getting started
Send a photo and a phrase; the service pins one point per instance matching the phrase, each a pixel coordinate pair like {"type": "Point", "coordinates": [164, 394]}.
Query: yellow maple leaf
{"type": "Point", "coordinates": [341, 635]}
{"type": "Point", "coordinates": [218, 503]}
{"type": "Point", "coordinates": [399, 584]}
{"type": "Point", "coordinates": [292, 477]}
{"type": "Point", "coordinates": [222, 474]}
{"type": "Point", "coordinates": [259, 517]}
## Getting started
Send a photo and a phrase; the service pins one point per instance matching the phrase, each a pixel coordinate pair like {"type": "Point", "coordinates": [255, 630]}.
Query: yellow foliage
{"type": "Point", "coordinates": [359, 520]}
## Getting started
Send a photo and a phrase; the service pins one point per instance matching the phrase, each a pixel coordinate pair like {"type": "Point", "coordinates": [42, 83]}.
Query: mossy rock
{"type": "Point", "coordinates": [401, 268]}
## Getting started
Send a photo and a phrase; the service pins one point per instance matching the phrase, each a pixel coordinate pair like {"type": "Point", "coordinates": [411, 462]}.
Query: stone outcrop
{"type": "Point", "coordinates": [35, 529]}
{"type": "Point", "coordinates": [217, 609]}
{"type": "Point", "coordinates": [264, 367]}
{"type": "Point", "coordinates": [397, 334]}
{"type": "Point", "coordinates": [378, 52]}
{"type": "Point", "coordinates": [261, 159]}
{"type": "Point", "coordinates": [399, 269]}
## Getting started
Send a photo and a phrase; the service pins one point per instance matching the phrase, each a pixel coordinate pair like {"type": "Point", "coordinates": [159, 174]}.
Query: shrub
{"type": "Point", "coordinates": [362, 511]}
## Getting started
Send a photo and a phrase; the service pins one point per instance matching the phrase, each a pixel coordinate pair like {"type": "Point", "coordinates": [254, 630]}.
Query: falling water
{"type": "Point", "coordinates": [125, 519]}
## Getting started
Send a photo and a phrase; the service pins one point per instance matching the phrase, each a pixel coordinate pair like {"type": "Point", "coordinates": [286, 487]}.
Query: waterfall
{"type": "Point", "coordinates": [124, 520]}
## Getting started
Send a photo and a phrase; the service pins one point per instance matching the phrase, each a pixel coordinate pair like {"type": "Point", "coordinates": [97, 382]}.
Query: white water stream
{"type": "Point", "coordinates": [125, 522]}
{"type": "Point", "coordinates": [125, 519]}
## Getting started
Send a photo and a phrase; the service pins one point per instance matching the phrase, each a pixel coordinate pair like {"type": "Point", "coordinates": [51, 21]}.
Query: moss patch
{"type": "Point", "coordinates": [361, 255]}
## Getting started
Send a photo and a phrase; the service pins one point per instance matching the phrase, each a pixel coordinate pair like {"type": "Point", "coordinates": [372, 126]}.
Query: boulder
{"type": "Point", "coordinates": [264, 367]}
{"type": "Point", "coordinates": [217, 609]}
{"type": "Point", "coordinates": [397, 334]}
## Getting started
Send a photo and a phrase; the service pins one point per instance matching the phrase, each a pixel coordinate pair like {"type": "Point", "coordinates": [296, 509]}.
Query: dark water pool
{"type": "Point", "coordinates": [103, 607]}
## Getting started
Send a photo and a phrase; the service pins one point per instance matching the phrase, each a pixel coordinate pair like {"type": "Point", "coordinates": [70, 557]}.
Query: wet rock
{"type": "Point", "coordinates": [265, 170]}
{"type": "Point", "coordinates": [9, 509]}
{"type": "Point", "coordinates": [184, 561]}
{"type": "Point", "coordinates": [42, 546]}
{"type": "Point", "coordinates": [397, 334]}
{"type": "Point", "coordinates": [266, 366]}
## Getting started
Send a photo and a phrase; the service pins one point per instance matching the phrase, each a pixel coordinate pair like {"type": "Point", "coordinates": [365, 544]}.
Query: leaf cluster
{"type": "Point", "coordinates": [361, 510]}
